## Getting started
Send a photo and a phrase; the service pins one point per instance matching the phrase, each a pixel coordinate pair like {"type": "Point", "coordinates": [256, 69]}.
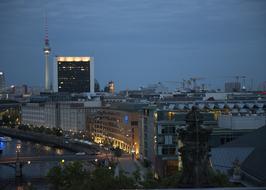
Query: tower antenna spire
{"type": "Point", "coordinates": [46, 39]}
{"type": "Point", "coordinates": [47, 51]}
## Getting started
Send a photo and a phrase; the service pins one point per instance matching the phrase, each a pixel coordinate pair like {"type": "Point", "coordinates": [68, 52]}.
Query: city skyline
{"type": "Point", "coordinates": [138, 43]}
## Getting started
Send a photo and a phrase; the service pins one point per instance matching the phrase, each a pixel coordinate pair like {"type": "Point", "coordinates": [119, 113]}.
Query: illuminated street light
{"type": "Point", "coordinates": [18, 147]}
{"type": "Point", "coordinates": [62, 161]}
{"type": "Point", "coordinates": [28, 162]}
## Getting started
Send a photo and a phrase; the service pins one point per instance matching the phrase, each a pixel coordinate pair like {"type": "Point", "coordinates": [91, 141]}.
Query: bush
{"type": "Point", "coordinates": [219, 179]}
{"type": "Point", "coordinates": [117, 152]}
{"type": "Point", "coordinates": [74, 176]}
{"type": "Point", "coordinates": [146, 163]}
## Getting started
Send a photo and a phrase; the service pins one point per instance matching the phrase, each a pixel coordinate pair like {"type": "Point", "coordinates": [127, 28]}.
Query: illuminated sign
{"type": "Point", "coordinates": [126, 119]}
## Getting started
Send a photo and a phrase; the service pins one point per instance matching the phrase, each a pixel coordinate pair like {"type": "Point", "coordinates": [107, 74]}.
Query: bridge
{"type": "Point", "coordinates": [18, 162]}
{"type": "Point", "coordinates": [26, 159]}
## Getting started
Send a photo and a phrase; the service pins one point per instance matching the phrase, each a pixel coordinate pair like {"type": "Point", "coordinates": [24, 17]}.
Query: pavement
{"type": "Point", "coordinates": [129, 165]}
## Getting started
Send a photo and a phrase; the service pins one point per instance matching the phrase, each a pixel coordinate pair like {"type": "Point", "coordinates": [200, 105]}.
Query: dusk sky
{"type": "Point", "coordinates": [137, 42]}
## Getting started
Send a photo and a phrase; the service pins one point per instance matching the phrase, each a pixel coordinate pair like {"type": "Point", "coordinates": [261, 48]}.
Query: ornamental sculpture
{"type": "Point", "coordinates": [195, 151]}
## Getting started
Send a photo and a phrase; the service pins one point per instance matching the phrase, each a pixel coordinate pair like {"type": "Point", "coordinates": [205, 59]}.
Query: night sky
{"type": "Point", "coordinates": [137, 42]}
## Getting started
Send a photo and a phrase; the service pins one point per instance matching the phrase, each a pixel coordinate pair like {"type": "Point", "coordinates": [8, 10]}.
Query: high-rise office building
{"type": "Point", "coordinates": [2, 81]}
{"type": "Point", "coordinates": [73, 74]}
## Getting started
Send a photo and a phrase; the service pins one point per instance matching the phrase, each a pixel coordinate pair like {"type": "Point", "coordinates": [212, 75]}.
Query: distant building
{"type": "Point", "coordinates": [248, 121]}
{"type": "Point", "coordinates": [2, 81]}
{"type": "Point", "coordinates": [118, 125]}
{"type": "Point", "coordinates": [97, 87]}
{"type": "Point", "coordinates": [68, 115]}
{"type": "Point", "coordinates": [232, 87]}
{"type": "Point", "coordinates": [148, 132]}
{"type": "Point", "coordinates": [110, 87]}
{"type": "Point", "coordinates": [73, 74]}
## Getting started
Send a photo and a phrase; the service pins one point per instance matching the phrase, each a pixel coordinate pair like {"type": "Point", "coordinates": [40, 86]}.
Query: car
{"type": "Point", "coordinates": [80, 153]}
{"type": "Point", "coordinates": [67, 137]}
{"type": "Point", "coordinates": [88, 142]}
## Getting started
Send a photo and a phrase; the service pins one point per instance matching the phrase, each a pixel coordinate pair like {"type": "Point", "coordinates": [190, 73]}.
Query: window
{"type": "Point", "coordinates": [169, 150]}
{"type": "Point", "coordinates": [168, 139]}
{"type": "Point", "coordinates": [134, 123]}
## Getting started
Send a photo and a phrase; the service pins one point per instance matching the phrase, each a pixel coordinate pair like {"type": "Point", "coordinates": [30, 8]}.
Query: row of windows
{"type": "Point", "coordinates": [167, 150]}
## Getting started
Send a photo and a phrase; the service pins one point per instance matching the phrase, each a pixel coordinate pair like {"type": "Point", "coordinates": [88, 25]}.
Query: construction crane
{"type": "Point", "coordinates": [190, 84]}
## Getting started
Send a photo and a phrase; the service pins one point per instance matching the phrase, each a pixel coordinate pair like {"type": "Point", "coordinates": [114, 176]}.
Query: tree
{"type": "Point", "coordinates": [137, 176]}
{"type": "Point", "coordinates": [149, 181]}
{"type": "Point", "coordinates": [171, 181]}
{"type": "Point", "coordinates": [69, 176]}
{"type": "Point", "coordinates": [125, 182]}
{"type": "Point", "coordinates": [10, 117]}
{"type": "Point", "coordinates": [219, 179]}
{"type": "Point", "coordinates": [55, 177]}
{"type": "Point", "coordinates": [57, 131]}
{"type": "Point", "coordinates": [73, 176]}
{"type": "Point", "coordinates": [103, 178]}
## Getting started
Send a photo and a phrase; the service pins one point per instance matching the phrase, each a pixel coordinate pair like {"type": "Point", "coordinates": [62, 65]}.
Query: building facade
{"type": "Point", "coordinates": [118, 126]}
{"type": "Point", "coordinates": [249, 121]}
{"type": "Point", "coordinates": [33, 114]}
{"type": "Point", "coordinates": [2, 81]}
{"type": "Point", "coordinates": [73, 74]}
{"type": "Point", "coordinates": [67, 115]}
{"type": "Point", "coordinates": [167, 140]}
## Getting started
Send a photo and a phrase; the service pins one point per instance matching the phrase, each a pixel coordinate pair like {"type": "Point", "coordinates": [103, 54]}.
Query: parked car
{"type": "Point", "coordinates": [80, 153]}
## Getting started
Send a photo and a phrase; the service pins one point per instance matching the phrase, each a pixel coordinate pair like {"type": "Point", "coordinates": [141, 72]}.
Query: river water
{"type": "Point", "coordinates": [32, 171]}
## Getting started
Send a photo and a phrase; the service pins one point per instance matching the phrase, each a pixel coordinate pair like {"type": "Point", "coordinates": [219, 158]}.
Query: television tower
{"type": "Point", "coordinates": [47, 51]}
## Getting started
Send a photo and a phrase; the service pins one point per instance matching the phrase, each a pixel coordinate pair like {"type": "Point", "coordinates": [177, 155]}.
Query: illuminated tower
{"type": "Point", "coordinates": [47, 51]}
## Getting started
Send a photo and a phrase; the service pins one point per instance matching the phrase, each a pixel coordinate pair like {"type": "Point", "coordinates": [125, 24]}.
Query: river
{"type": "Point", "coordinates": [33, 172]}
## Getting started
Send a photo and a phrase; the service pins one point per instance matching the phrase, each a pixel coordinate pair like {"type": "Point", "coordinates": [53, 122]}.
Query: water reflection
{"type": "Point", "coordinates": [26, 148]}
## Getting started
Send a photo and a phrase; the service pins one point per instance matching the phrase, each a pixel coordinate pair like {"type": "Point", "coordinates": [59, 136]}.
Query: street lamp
{"type": "Point", "coordinates": [18, 147]}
